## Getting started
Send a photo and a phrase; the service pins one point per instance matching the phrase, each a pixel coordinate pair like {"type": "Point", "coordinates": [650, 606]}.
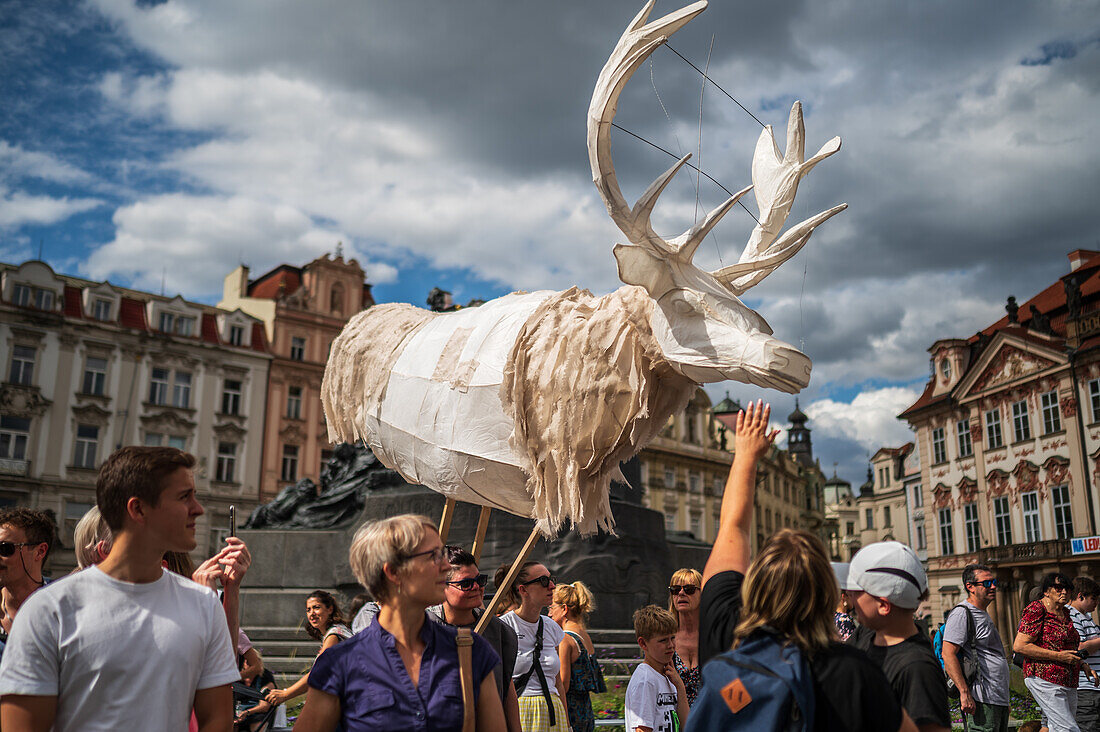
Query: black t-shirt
{"type": "Point", "coordinates": [914, 673]}
{"type": "Point", "coordinates": [719, 609]}
{"type": "Point", "coordinates": [851, 692]}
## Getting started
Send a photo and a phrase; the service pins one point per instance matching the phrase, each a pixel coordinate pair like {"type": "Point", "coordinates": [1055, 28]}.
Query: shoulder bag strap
{"type": "Point", "coordinates": [537, 663]}
{"type": "Point", "coordinates": [465, 641]}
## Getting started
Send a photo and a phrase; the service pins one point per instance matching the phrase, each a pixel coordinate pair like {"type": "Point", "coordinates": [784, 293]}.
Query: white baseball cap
{"type": "Point", "coordinates": [890, 570]}
{"type": "Point", "coordinates": [840, 571]}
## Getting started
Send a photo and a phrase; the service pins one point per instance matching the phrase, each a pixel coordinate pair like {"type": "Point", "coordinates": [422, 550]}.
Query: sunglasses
{"type": "Point", "coordinates": [469, 583]}
{"type": "Point", "coordinates": [7, 548]}
{"type": "Point", "coordinates": [546, 580]}
{"type": "Point", "coordinates": [688, 590]}
{"type": "Point", "coordinates": [1060, 588]}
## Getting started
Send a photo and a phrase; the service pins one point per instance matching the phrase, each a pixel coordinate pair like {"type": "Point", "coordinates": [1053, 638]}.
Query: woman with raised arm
{"type": "Point", "coordinates": [325, 623]}
{"type": "Point", "coordinates": [580, 671]}
{"type": "Point", "coordinates": [403, 671]}
{"type": "Point", "coordinates": [537, 673]}
{"type": "Point", "coordinates": [683, 602]}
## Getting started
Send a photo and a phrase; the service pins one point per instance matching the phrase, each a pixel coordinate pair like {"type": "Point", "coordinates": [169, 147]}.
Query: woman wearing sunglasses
{"type": "Point", "coordinates": [462, 608]}
{"type": "Point", "coordinates": [403, 671]}
{"type": "Point", "coordinates": [683, 602]}
{"type": "Point", "coordinates": [1048, 642]}
{"type": "Point", "coordinates": [537, 674]}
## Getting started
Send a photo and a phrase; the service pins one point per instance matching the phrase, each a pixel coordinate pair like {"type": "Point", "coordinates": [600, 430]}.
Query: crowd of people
{"type": "Point", "coordinates": [137, 637]}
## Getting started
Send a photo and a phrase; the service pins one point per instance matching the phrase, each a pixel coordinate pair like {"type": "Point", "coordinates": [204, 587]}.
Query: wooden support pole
{"type": "Point", "coordinates": [498, 598]}
{"type": "Point", "coordinates": [479, 537]}
{"type": "Point", "coordinates": [445, 520]}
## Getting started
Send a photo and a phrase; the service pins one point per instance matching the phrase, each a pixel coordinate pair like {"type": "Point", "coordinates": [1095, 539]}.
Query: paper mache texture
{"type": "Point", "coordinates": [529, 402]}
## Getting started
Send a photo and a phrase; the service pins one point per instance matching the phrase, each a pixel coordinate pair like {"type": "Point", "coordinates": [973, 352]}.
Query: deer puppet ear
{"type": "Point", "coordinates": [639, 267]}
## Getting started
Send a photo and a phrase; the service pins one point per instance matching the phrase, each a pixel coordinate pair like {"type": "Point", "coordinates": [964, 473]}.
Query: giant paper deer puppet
{"type": "Point", "coordinates": [529, 402]}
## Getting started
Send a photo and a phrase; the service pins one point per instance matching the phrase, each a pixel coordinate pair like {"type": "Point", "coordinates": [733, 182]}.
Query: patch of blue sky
{"type": "Point", "coordinates": [418, 276]}
{"type": "Point", "coordinates": [1050, 52]}
{"type": "Point", "coordinates": [845, 393]}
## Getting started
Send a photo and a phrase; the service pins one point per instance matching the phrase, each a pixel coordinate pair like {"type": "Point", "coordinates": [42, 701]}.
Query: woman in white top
{"type": "Point", "coordinates": [324, 622]}
{"type": "Point", "coordinates": [538, 684]}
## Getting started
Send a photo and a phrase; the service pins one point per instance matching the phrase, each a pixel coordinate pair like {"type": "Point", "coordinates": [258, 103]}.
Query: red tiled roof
{"type": "Point", "coordinates": [74, 304]}
{"type": "Point", "coordinates": [259, 339]}
{"type": "Point", "coordinates": [210, 328]}
{"type": "Point", "coordinates": [131, 314]}
{"type": "Point", "coordinates": [282, 280]}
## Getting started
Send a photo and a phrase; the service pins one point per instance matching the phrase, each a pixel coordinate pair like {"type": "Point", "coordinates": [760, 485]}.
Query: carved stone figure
{"type": "Point", "coordinates": [530, 402]}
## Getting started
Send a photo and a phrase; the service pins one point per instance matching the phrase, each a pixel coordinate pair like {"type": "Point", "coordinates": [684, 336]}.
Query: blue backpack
{"type": "Point", "coordinates": [763, 684]}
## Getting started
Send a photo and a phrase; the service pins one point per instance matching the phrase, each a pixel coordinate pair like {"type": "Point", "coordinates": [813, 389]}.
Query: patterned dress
{"type": "Point", "coordinates": [585, 677]}
{"type": "Point", "coordinates": [692, 678]}
{"type": "Point", "coordinates": [845, 626]}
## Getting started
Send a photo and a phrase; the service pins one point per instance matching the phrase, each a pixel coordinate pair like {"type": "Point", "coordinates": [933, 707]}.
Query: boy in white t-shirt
{"type": "Point", "coordinates": [655, 697]}
{"type": "Point", "coordinates": [125, 645]}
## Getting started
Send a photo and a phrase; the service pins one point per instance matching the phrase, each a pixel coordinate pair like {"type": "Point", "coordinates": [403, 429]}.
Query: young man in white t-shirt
{"type": "Point", "coordinates": [125, 644]}
{"type": "Point", "coordinates": [655, 697]}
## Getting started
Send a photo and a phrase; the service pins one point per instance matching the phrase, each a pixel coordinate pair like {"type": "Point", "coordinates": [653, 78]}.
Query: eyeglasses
{"type": "Point", "coordinates": [546, 580]}
{"type": "Point", "coordinates": [7, 548]}
{"type": "Point", "coordinates": [435, 554]}
{"type": "Point", "coordinates": [688, 590]}
{"type": "Point", "coordinates": [468, 583]}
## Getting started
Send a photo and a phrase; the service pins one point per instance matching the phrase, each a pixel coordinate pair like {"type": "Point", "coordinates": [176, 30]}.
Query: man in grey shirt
{"type": "Point", "coordinates": [986, 699]}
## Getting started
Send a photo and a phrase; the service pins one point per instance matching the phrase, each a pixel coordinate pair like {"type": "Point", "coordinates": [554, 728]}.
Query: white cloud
{"type": "Point", "coordinates": [17, 163]}
{"type": "Point", "coordinates": [17, 208]}
{"type": "Point", "coordinates": [870, 419]}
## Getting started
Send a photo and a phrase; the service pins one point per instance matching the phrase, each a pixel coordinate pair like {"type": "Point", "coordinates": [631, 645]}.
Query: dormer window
{"type": "Point", "coordinates": [236, 335]}
{"type": "Point", "coordinates": [21, 295]}
{"type": "Point", "coordinates": [32, 297]}
{"type": "Point", "coordinates": [945, 369]}
{"type": "Point", "coordinates": [101, 309]}
{"type": "Point", "coordinates": [177, 324]}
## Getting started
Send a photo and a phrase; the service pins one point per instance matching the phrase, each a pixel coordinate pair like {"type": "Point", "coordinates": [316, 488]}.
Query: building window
{"type": "Point", "coordinates": [1063, 521]}
{"type": "Point", "coordinates": [22, 365]}
{"type": "Point", "coordinates": [236, 335]}
{"type": "Point", "coordinates": [159, 439]}
{"type": "Point", "coordinates": [886, 523]}
{"type": "Point", "coordinates": [231, 397]}
{"type": "Point", "coordinates": [1094, 398]}
{"type": "Point", "coordinates": [226, 462]}
{"type": "Point", "coordinates": [298, 349]}
{"type": "Point", "coordinates": [1052, 420]}
{"type": "Point", "coordinates": [1030, 503]}
{"type": "Point", "coordinates": [43, 299]}
{"type": "Point", "coordinates": [87, 439]}
{"type": "Point", "coordinates": [918, 497]}
{"type": "Point", "coordinates": [851, 528]}
{"type": "Point", "coordinates": [294, 402]}
{"type": "Point", "coordinates": [670, 478]}
{"type": "Point", "coordinates": [336, 300]}
{"type": "Point", "coordinates": [768, 520]}
{"type": "Point", "coordinates": [95, 375]}
{"type": "Point", "coordinates": [966, 447]}
{"type": "Point", "coordinates": [947, 539]}
{"type": "Point", "coordinates": [181, 390]}
{"type": "Point", "coordinates": [1003, 520]}
{"type": "Point", "coordinates": [922, 543]}
{"type": "Point", "coordinates": [177, 324]}
{"type": "Point", "coordinates": [14, 432]}
{"type": "Point", "coordinates": [101, 309]}
{"type": "Point", "coordinates": [939, 446]}
{"type": "Point", "coordinates": [158, 386]}
{"type": "Point", "coordinates": [870, 516]}
{"type": "Point", "coordinates": [290, 463]}
{"type": "Point", "coordinates": [670, 522]}
{"type": "Point", "coordinates": [1021, 426]}
{"type": "Point", "coordinates": [74, 511]}
{"type": "Point", "coordinates": [694, 484]}
{"type": "Point", "coordinates": [993, 437]}
{"type": "Point", "coordinates": [21, 296]}
{"type": "Point", "coordinates": [973, 529]}
{"type": "Point", "coordinates": [697, 526]}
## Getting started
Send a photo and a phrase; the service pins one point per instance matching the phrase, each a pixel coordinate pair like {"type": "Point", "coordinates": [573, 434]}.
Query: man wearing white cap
{"type": "Point", "coordinates": [886, 583]}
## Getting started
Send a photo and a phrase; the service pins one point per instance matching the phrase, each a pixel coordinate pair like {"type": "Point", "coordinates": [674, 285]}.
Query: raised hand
{"type": "Point", "coordinates": [752, 438]}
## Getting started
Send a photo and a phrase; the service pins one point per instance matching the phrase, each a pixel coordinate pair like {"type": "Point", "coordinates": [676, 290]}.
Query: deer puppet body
{"type": "Point", "coordinates": [529, 402]}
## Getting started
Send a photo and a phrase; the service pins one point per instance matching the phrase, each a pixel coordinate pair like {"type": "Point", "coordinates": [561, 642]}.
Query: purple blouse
{"type": "Point", "coordinates": [367, 675]}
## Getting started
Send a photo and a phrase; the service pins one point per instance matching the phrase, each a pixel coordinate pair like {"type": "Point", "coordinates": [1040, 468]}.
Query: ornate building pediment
{"type": "Point", "coordinates": [22, 401]}
{"type": "Point", "coordinates": [941, 496]}
{"type": "Point", "coordinates": [1008, 364]}
{"type": "Point", "coordinates": [968, 490]}
{"type": "Point", "coordinates": [1027, 478]}
{"type": "Point", "coordinates": [230, 431]}
{"type": "Point", "coordinates": [1057, 470]}
{"type": "Point", "coordinates": [169, 421]}
{"type": "Point", "coordinates": [91, 414]}
{"type": "Point", "coordinates": [293, 434]}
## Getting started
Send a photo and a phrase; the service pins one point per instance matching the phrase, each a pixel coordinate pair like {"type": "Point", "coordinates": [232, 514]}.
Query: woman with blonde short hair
{"type": "Point", "coordinates": [580, 671]}
{"type": "Point", "coordinates": [790, 594]}
{"type": "Point", "coordinates": [683, 603]}
{"type": "Point", "coordinates": [92, 538]}
{"type": "Point", "coordinates": [402, 671]}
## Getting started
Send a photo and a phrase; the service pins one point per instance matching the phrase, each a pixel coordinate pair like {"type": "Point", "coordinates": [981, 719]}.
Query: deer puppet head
{"type": "Point", "coordinates": [703, 328]}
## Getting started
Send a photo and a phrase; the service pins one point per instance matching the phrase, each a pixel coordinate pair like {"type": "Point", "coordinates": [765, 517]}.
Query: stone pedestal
{"type": "Point", "coordinates": [624, 572]}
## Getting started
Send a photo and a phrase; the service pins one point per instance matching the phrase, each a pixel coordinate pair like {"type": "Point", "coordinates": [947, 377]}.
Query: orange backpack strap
{"type": "Point", "coordinates": [465, 642]}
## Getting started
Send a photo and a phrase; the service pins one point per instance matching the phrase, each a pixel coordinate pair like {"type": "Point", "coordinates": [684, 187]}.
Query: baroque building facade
{"type": "Point", "coordinates": [302, 309]}
{"type": "Point", "coordinates": [90, 367]}
{"type": "Point", "coordinates": [1009, 430]}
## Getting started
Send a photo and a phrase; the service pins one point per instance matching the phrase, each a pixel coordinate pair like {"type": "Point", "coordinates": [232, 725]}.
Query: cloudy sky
{"type": "Point", "coordinates": [444, 144]}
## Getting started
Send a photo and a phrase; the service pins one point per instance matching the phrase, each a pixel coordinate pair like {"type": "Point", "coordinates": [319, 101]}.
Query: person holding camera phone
{"type": "Point", "coordinates": [983, 697]}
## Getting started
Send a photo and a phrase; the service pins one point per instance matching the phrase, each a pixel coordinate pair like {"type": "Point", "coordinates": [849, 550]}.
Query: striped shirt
{"type": "Point", "coordinates": [1088, 630]}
